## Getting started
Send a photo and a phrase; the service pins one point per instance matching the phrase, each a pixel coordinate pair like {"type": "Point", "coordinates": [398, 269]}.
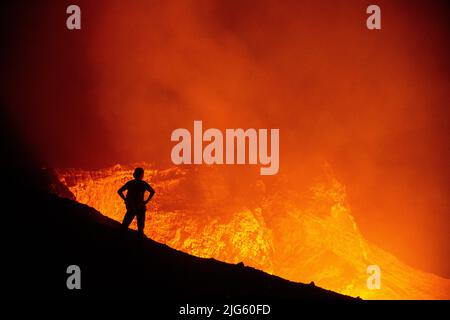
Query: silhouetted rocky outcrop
{"type": "Point", "coordinates": [48, 233]}
{"type": "Point", "coordinates": [42, 234]}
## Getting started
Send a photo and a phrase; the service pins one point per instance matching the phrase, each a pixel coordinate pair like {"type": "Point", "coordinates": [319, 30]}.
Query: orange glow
{"type": "Point", "coordinates": [304, 237]}
{"type": "Point", "coordinates": [374, 104]}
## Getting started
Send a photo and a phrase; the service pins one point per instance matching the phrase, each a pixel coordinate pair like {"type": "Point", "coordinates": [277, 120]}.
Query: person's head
{"type": "Point", "coordinates": [138, 173]}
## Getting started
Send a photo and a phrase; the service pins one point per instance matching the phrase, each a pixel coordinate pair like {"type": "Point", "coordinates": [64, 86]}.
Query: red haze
{"type": "Point", "coordinates": [374, 104]}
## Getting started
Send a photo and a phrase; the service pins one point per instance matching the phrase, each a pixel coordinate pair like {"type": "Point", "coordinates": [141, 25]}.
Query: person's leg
{"type": "Point", "coordinates": [141, 221]}
{"type": "Point", "coordinates": [129, 216]}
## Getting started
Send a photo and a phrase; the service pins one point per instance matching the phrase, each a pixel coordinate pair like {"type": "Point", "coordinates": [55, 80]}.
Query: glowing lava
{"type": "Point", "coordinates": [304, 237]}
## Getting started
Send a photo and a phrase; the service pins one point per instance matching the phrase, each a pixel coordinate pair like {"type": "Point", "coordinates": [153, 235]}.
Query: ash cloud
{"type": "Point", "coordinates": [372, 104]}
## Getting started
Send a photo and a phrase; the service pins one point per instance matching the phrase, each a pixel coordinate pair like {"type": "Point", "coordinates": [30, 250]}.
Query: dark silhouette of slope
{"type": "Point", "coordinates": [42, 234]}
{"type": "Point", "coordinates": [48, 233]}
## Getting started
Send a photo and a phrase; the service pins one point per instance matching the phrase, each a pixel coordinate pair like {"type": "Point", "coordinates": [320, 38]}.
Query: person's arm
{"type": "Point", "coordinates": [152, 192]}
{"type": "Point", "coordinates": [121, 190]}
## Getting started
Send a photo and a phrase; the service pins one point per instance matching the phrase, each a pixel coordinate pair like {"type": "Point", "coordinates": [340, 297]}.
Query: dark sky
{"type": "Point", "coordinates": [373, 104]}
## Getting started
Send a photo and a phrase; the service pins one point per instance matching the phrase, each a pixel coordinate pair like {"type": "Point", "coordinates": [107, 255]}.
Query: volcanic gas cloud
{"type": "Point", "coordinates": [373, 103]}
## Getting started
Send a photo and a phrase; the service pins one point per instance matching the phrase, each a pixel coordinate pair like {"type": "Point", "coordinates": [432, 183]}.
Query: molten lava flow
{"type": "Point", "coordinates": [307, 237]}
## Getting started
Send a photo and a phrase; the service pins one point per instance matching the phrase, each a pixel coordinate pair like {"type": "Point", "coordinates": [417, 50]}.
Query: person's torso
{"type": "Point", "coordinates": [136, 190]}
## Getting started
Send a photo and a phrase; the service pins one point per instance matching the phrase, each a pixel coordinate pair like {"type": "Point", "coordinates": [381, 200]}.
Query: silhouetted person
{"type": "Point", "coordinates": [134, 200]}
